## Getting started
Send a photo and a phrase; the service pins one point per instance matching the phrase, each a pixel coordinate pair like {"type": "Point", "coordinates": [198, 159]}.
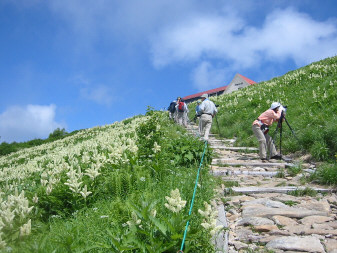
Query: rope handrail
{"type": "Point", "coordinates": [193, 197]}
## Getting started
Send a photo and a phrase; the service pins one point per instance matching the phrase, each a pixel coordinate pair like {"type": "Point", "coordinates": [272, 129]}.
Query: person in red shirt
{"type": "Point", "coordinates": [260, 129]}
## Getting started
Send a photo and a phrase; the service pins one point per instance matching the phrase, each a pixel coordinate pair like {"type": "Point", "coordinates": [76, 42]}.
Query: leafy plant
{"type": "Point", "coordinates": [305, 192]}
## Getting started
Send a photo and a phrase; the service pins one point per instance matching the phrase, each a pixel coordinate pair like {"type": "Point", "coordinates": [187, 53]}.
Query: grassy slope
{"type": "Point", "coordinates": [310, 94]}
{"type": "Point", "coordinates": [131, 182]}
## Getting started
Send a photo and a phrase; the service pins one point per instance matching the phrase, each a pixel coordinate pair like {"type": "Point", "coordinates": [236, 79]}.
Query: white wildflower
{"type": "Point", "coordinates": [49, 189]}
{"type": "Point", "coordinates": [156, 148]}
{"type": "Point", "coordinates": [134, 220]}
{"type": "Point", "coordinates": [35, 198]}
{"type": "Point", "coordinates": [210, 216]}
{"type": "Point", "coordinates": [175, 203]}
{"type": "Point", "coordinates": [85, 193]}
{"type": "Point", "coordinates": [26, 228]}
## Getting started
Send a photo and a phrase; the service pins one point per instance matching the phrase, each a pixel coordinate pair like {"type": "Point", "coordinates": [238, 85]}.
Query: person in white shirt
{"type": "Point", "coordinates": [208, 110]}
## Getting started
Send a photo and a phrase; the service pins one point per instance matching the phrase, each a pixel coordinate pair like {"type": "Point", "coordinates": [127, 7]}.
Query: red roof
{"type": "Point", "coordinates": [247, 79]}
{"type": "Point", "coordinates": [217, 89]}
{"type": "Point", "coordinates": [203, 92]}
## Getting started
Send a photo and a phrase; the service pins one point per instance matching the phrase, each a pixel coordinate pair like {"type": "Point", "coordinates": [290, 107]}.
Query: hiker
{"type": "Point", "coordinates": [260, 129]}
{"type": "Point", "coordinates": [197, 116]}
{"type": "Point", "coordinates": [182, 112]}
{"type": "Point", "coordinates": [172, 109]}
{"type": "Point", "coordinates": [208, 110]}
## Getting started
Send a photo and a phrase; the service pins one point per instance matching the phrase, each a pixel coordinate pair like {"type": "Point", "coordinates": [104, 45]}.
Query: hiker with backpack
{"type": "Point", "coordinates": [208, 110]}
{"type": "Point", "coordinates": [182, 111]}
{"type": "Point", "coordinates": [197, 116]}
{"type": "Point", "coordinates": [172, 109]}
{"type": "Point", "coordinates": [261, 127]}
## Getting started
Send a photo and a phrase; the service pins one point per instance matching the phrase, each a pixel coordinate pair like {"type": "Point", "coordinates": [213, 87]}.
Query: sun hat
{"type": "Point", "coordinates": [274, 105]}
{"type": "Point", "coordinates": [204, 95]}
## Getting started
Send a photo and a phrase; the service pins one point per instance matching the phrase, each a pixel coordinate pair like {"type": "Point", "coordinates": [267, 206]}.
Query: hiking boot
{"type": "Point", "coordinates": [276, 157]}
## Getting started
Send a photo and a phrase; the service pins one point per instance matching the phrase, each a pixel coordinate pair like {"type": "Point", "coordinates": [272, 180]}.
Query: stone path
{"type": "Point", "coordinates": [267, 208]}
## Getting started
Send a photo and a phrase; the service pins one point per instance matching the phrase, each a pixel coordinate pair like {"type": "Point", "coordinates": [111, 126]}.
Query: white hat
{"type": "Point", "coordinates": [204, 95]}
{"type": "Point", "coordinates": [274, 105]}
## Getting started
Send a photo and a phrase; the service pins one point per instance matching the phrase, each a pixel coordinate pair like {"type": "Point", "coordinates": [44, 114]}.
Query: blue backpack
{"type": "Point", "coordinates": [172, 107]}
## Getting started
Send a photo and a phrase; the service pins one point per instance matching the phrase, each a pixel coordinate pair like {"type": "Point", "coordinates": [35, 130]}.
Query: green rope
{"type": "Point", "coordinates": [193, 197]}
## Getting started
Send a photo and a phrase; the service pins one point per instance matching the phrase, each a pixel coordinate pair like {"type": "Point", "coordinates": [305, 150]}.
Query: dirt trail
{"type": "Point", "coordinates": [267, 209]}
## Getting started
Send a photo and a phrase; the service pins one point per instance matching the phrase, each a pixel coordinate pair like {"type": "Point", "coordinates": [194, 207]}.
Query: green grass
{"type": "Point", "coordinates": [326, 174]}
{"type": "Point", "coordinates": [134, 185]}
{"type": "Point", "coordinates": [305, 192]}
{"type": "Point", "coordinates": [294, 170]}
{"type": "Point", "coordinates": [310, 94]}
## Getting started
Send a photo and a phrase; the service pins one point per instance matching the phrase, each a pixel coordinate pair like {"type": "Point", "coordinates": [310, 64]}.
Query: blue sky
{"type": "Point", "coordinates": [79, 63]}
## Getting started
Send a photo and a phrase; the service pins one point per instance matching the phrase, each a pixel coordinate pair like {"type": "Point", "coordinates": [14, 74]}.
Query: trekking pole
{"type": "Point", "coordinates": [217, 123]}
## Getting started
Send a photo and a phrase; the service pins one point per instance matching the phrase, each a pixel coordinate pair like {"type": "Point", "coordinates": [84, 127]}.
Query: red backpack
{"type": "Point", "coordinates": [181, 106]}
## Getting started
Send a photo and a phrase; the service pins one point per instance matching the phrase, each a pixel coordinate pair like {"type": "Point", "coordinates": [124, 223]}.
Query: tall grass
{"type": "Point", "coordinates": [310, 94]}
{"type": "Point", "coordinates": [105, 190]}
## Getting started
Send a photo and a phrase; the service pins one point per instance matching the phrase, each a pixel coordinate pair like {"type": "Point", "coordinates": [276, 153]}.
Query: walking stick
{"type": "Point", "coordinates": [217, 123]}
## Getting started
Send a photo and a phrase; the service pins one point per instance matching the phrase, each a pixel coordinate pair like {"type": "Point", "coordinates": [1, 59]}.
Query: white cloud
{"type": "Point", "coordinates": [205, 76]}
{"type": "Point", "coordinates": [100, 94]}
{"type": "Point", "coordinates": [285, 34]}
{"type": "Point", "coordinates": [25, 123]}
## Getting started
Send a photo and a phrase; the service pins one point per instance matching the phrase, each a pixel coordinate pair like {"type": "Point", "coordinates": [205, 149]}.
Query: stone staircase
{"type": "Point", "coordinates": [265, 209]}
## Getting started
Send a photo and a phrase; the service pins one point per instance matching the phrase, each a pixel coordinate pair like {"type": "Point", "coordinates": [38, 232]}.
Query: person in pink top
{"type": "Point", "coordinates": [260, 129]}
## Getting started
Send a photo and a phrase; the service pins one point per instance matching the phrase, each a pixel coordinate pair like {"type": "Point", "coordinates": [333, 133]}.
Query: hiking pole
{"type": "Point", "coordinates": [217, 123]}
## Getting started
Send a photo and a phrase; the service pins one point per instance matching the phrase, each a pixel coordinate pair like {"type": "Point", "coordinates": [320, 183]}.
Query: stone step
{"type": "Point", "coordinates": [286, 189]}
{"type": "Point", "coordinates": [231, 162]}
{"type": "Point", "coordinates": [221, 141]}
{"type": "Point", "coordinates": [221, 239]}
{"type": "Point", "coordinates": [233, 148]}
{"type": "Point", "coordinates": [244, 172]}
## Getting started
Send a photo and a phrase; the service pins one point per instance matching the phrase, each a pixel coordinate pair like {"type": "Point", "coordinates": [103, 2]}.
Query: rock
{"type": "Point", "coordinates": [296, 243]}
{"type": "Point", "coordinates": [244, 198]}
{"type": "Point", "coordinates": [333, 224]}
{"type": "Point", "coordinates": [326, 233]}
{"type": "Point", "coordinates": [240, 245]}
{"type": "Point", "coordinates": [306, 230]}
{"type": "Point", "coordinates": [332, 199]}
{"type": "Point", "coordinates": [254, 221]}
{"type": "Point", "coordinates": [269, 212]}
{"type": "Point", "coordinates": [322, 226]}
{"type": "Point", "coordinates": [299, 229]}
{"type": "Point", "coordinates": [243, 234]}
{"type": "Point", "coordinates": [232, 211]}
{"type": "Point", "coordinates": [259, 169]}
{"type": "Point", "coordinates": [309, 220]}
{"type": "Point", "coordinates": [266, 202]}
{"type": "Point", "coordinates": [280, 232]}
{"type": "Point", "coordinates": [265, 228]}
{"type": "Point", "coordinates": [233, 218]}
{"type": "Point", "coordinates": [286, 198]}
{"type": "Point", "coordinates": [284, 221]}
{"type": "Point", "coordinates": [265, 195]}
{"type": "Point", "coordinates": [331, 245]}
{"type": "Point", "coordinates": [312, 204]}
{"type": "Point", "coordinates": [262, 238]}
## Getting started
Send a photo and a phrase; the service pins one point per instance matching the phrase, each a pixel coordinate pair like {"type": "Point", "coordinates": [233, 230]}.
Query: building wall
{"type": "Point", "coordinates": [210, 95]}
{"type": "Point", "coordinates": [237, 83]}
